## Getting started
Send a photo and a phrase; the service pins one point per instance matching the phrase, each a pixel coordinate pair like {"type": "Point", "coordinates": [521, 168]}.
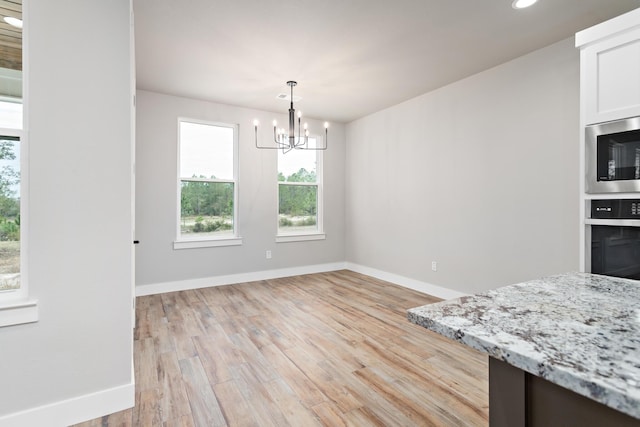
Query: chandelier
{"type": "Point", "coordinates": [287, 141]}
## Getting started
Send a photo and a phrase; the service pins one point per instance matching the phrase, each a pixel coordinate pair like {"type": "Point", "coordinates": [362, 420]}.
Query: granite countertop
{"type": "Point", "coordinates": [580, 331]}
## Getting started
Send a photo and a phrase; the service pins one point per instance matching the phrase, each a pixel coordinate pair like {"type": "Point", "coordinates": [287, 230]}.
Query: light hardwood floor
{"type": "Point", "coordinates": [330, 349]}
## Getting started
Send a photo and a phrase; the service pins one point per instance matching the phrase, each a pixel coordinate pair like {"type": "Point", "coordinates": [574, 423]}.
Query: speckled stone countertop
{"type": "Point", "coordinates": [580, 331]}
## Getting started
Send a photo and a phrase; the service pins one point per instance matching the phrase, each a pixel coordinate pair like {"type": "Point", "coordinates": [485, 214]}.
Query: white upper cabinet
{"type": "Point", "coordinates": [610, 69]}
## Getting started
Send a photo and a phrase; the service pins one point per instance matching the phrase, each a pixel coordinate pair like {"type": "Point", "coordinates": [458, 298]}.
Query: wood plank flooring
{"type": "Point", "coordinates": [331, 349]}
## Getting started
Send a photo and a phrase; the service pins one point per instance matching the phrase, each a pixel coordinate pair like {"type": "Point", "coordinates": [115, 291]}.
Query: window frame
{"type": "Point", "coordinates": [182, 242]}
{"type": "Point", "coordinates": [318, 234]}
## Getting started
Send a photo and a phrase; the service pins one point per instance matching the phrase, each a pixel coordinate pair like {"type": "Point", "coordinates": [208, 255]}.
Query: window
{"type": "Point", "coordinates": [10, 129]}
{"type": "Point", "coordinates": [9, 212]}
{"type": "Point", "coordinates": [207, 184]}
{"type": "Point", "coordinates": [300, 194]}
{"type": "Point", "coordinates": [15, 307]}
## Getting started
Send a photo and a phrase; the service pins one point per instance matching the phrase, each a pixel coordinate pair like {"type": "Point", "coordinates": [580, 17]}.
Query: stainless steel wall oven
{"type": "Point", "coordinates": [613, 244]}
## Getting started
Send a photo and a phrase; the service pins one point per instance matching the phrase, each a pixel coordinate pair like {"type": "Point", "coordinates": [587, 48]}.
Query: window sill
{"type": "Point", "coordinates": [18, 312]}
{"type": "Point", "coordinates": [212, 243]}
{"type": "Point", "coordinates": [283, 238]}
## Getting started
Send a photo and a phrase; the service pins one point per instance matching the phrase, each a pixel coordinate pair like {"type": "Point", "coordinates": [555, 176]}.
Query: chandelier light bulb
{"type": "Point", "coordinates": [275, 123]}
{"type": "Point", "coordinates": [326, 125]}
{"type": "Point", "coordinates": [306, 126]}
{"type": "Point", "coordinates": [299, 114]}
{"type": "Point", "coordinates": [256, 122]}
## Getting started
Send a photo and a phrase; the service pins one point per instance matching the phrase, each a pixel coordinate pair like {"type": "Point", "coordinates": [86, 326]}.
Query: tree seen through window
{"type": "Point", "coordinates": [9, 213]}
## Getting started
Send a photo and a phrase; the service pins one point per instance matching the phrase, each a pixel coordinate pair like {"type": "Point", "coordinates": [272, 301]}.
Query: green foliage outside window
{"type": "Point", "coordinates": [298, 203]}
{"type": "Point", "coordinates": [206, 198]}
{"type": "Point", "coordinates": [9, 216]}
{"type": "Point", "coordinates": [301, 176]}
{"type": "Point", "coordinates": [9, 202]}
{"type": "Point", "coordinates": [206, 207]}
{"type": "Point", "coordinates": [298, 200]}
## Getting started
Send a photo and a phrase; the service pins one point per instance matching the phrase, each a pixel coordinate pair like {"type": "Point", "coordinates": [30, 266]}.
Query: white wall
{"type": "Point", "coordinates": [156, 185]}
{"type": "Point", "coordinates": [480, 176]}
{"type": "Point", "coordinates": [78, 106]}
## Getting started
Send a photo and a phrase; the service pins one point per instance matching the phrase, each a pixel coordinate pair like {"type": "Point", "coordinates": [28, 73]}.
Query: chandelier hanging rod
{"type": "Point", "coordinates": [287, 141]}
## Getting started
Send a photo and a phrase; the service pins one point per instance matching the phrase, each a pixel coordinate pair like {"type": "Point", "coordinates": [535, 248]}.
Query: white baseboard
{"type": "Point", "coordinates": [182, 285]}
{"type": "Point", "coordinates": [206, 282]}
{"type": "Point", "coordinates": [416, 285]}
{"type": "Point", "coordinates": [73, 411]}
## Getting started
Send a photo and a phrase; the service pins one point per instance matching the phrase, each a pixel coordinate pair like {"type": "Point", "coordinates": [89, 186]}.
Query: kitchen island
{"type": "Point", "coordinates": [564, 350]}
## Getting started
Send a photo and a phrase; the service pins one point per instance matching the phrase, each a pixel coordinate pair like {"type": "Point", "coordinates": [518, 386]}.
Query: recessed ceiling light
{"type": "Point", "coordinates": [15, 22]}
{"type": "Point", "coordinates": [521, 4]}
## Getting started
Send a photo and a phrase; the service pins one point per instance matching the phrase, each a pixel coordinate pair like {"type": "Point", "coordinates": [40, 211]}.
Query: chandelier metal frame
{"type": "Point", "coordinates": [287, 141]}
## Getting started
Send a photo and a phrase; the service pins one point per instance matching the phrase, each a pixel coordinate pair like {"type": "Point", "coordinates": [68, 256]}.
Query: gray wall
{"type": "Point", "coordinates": [480, 176]}
{"type": "Point", "coordinates": [156, 184]}
{"type": "Point", "coordinates": [79, 232]}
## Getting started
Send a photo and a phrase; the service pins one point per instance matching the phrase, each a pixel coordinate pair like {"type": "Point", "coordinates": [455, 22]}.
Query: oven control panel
{"type": "Point", "coordinates": [615, 209]}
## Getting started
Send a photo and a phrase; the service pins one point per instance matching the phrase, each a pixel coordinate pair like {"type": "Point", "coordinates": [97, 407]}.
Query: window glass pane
{"type": "Point", "coordinates": [298, 208]}
{"type": "Point", "coordinates": [206, 208]}
{"type": "Point", "coordinates": [206, 151]}
{"type": "Point", "coordinates": [9, 213]}
{"type": "Point", "coordinates": [298, 165]}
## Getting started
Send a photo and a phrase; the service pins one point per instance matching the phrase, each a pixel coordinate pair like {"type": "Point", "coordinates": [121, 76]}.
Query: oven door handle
{"type": "Point", "coordinates": [613, 222]}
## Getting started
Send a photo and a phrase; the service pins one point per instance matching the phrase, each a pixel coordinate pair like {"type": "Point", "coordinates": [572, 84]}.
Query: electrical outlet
{"type": "Point", "coordinates": [434, 266]}
{"type": "Point", "coordinates": [268, 254]}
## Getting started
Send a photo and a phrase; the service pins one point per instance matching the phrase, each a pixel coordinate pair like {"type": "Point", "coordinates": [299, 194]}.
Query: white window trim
{"type": "Point", "coordinates": [16, 307]}
{"type": "Point", "coordinates": [18, 312]}
{"type": "Point", "coordinates": [209, 241]}
{"type": "Point", "coordinates": [206, 243]}
{"type": "Point", "coordinates": [284, 237]}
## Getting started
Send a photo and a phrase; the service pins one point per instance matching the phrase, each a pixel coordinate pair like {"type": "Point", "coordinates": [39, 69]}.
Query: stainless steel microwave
{"type": "Point", "coordinates": [613, 157]}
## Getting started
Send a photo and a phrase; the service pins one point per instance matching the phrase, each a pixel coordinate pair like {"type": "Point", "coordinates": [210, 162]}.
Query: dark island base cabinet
{"type": "Point", "coordinates": [519, 399]}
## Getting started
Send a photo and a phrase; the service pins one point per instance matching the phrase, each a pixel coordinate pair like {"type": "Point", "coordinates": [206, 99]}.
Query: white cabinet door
{"type": "Point", "coordinates": [612, 78]}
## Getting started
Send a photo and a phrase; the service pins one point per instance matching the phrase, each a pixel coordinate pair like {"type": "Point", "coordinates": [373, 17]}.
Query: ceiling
{"type": "Point", "coordinates": [10, 37]}
{"type": "Point", "coordinates": [350, 57]}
